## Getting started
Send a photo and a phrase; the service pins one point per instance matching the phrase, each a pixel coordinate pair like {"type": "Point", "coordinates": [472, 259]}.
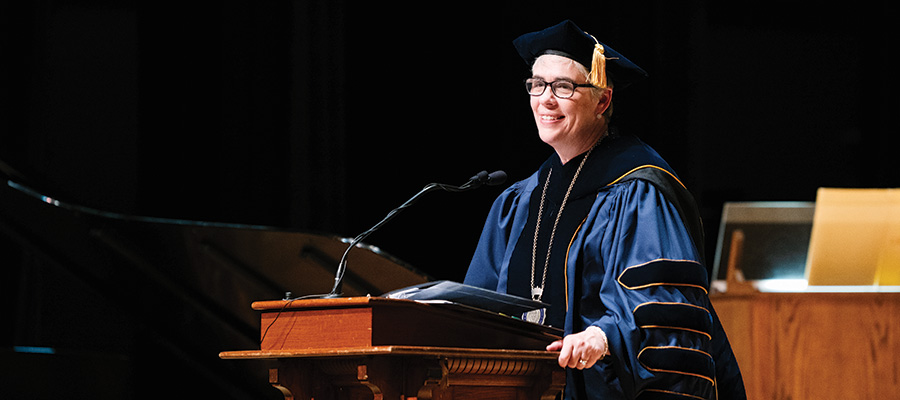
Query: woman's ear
{"type": "Point", "coordinates": [604, 102]}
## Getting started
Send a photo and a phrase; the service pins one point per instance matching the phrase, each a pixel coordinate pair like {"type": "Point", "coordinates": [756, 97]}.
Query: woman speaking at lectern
{"type": "Point", "coordinates": [606, 234]}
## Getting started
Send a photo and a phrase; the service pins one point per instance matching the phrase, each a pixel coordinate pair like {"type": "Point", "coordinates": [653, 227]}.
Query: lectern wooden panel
{"type": "Point", "coordinates": [375, 348]}
{"type": "Point", "coordinates": [375, 321]}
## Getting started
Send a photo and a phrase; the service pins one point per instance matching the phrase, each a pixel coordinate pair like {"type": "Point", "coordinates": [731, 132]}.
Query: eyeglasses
{"type": "Point", "coordinates": [562, 88]}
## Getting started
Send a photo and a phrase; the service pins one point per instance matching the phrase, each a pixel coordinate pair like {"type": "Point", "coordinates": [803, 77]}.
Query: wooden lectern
{"type": "Point", "coordinates": [377, 348]}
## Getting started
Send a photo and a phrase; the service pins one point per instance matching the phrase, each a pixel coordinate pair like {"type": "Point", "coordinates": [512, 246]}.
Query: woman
{"type": "Point", "coordinates": [606, 234]}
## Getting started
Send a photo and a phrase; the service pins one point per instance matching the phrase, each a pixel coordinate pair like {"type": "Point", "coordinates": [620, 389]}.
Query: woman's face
{"type": "Point", "coordinates": [568, 125]}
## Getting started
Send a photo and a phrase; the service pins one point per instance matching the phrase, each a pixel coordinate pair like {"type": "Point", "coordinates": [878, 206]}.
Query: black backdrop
{"type": "Point", "coordinates": [324, 115]}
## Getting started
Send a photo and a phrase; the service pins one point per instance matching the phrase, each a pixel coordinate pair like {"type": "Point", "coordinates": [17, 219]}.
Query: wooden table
{"type": "Point", "coordinates": [815, 345]}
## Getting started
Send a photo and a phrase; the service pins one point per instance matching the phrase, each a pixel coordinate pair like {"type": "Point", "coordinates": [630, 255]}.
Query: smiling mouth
{"type": "Point", "coordinates": [551, 118]}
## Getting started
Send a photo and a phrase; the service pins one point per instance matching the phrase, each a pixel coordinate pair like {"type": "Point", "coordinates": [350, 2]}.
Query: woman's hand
{"type": "Point", "coordinates": [581, 350]}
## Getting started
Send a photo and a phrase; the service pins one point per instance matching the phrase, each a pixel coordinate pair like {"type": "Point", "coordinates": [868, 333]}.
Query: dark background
{"type": "Point", "coordinates": [323, 115]}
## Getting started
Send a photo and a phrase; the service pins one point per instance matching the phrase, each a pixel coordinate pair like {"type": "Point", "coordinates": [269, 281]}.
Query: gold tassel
{"type": "Point", "coordinates": [598, 67]}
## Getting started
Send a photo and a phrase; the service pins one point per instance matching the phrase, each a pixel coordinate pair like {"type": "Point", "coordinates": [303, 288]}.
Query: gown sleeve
{"type": "Point", "coordinates": [643, 285]}
{"type": "Point", "coordinates": [487, 269]}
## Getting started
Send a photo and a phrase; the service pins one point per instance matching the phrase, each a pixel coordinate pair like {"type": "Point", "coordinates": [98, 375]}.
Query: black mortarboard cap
{"type": "Point", "coordinates": [568, 40]}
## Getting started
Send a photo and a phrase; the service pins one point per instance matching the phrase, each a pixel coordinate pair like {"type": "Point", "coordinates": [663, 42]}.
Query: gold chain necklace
{"type": "Point", "coordinates": [538, 291]}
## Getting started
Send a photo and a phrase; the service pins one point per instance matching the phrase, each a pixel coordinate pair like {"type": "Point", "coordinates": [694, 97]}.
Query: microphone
{"type": "Point", "coordinates": [483, 178]}
{"type": "Point", "coordinates": [480, 179]}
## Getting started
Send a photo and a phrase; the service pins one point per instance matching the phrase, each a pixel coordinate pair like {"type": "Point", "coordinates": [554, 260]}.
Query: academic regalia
{"type": "Point", "coordinates": [626, 256]}
{"type": "Point", "coordinates": [627, 263]}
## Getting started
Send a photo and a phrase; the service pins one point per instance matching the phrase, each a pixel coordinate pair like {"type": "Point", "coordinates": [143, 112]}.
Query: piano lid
{"type": "Point", "coordinates": [250, 262]}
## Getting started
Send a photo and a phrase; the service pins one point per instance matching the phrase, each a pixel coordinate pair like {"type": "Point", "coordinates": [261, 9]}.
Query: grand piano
{"type": "Point", "coordinates": [99, 301]}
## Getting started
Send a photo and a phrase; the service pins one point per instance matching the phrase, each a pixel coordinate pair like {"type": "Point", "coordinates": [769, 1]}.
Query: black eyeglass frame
{"type": "Point", "coordinates": [530, 82]}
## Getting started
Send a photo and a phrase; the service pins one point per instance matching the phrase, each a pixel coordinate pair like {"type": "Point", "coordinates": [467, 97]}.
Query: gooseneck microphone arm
{"type": "Point", "coordinates": [476, 181]}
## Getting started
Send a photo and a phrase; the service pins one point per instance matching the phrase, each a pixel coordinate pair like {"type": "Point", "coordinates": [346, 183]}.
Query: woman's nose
{"type": "Point", "coordinates": [547, 97]}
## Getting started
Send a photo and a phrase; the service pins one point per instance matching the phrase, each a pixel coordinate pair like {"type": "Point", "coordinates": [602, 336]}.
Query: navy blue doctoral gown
{"type": "Point", "coordinates": [625, 261]}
